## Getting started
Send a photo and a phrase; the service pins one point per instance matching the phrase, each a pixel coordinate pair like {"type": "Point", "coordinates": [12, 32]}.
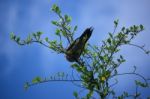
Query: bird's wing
{"type": "Point", "coordinates": [73, 45]}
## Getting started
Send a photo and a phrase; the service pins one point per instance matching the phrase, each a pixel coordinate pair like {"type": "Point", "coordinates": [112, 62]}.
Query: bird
{"type": "Point", "coordinates": [75, 49]}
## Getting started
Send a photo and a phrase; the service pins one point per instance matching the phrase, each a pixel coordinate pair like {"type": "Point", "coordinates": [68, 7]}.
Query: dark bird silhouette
{"type": "Point", "coordinates": [75, 49]}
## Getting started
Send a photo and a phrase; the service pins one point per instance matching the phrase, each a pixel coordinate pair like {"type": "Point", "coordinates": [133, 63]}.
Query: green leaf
{"type": "Point", "coordinates": [68, 27]}
{"type": "Point", "coordinates": [147, 52]}
{"type": "Point", "coordinates": [36, 80]}
{"type": "Point", "coordinates": [101, 58]}
{"type": "Point", "coordinates": [12, 36]}
{"type": "Point", "coordinates": [28, 40]}
{"type": "Point", "coordinates": [46, 39]}
{"type": "Point", "coordinates": [95, 54]}
{"type": "Point", "coordinates": [75, 28]}
{"type": "Point", "coordinates": [88, 96]}
{"type": "Point", "coordinates": [141, 84]}
{"type": "Point", "coordinates": [75, 94]}
{"type": "Point", "coordinates": [110, 34]}
{"type": "Point", "coordinates": [54, 23]}
{"type": "Point", "coordinates": [57, 32]}
{"type": "Point", "coordinates": [123, 28]}
{"type": "Point", "coordinates": [18, 39]}
{"type": "Point", "coordinates": [56, 9]}
{"type": "Point", "coordinates": [141, 27]}
{"type": "Point", "coordinates": [34, 35]}
{"type": "Point", "coordinates": [120, 97]}
{"type": "Point", "coordinates": [68, 18]}
{"type": "Point", "coordinates": [64, 33]}
{"type": "Point", "coordinates": [39, 34]}
{"type": "Point", "coordinates": [126, 94]}
{"type": "Point", "coordinates": [54, 6]}
{"type": "Point", "coordinates": [79, 69]}
{"type": "Point", "coordinates": [54, 42]}
{"type": "Point", "coordinates": [137, 95]}
{"type": "Point", "coordinates": [75, 65]}
{"type": "Point", "coordinates": [121, 57]}
{"type": "Point", "coordinates": [26, 86]}
{"type": "Point", "coordinates": [109, 40]}
{"type": "Point", "coordinates": [119, 60]}
{"type": "Point", "coordinates": [116, 22]}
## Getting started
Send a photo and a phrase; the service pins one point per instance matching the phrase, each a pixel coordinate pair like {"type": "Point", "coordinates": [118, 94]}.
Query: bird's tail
{"type": "Point", "coordinates": [87, 33]}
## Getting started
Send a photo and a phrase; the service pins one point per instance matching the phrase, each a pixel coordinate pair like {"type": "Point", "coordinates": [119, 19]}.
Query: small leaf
{"type": "Point", "coordinates": [68, 18]}
{"type": "Point", "coordinates": [56, 9]}
{"type": "Point", "coordinates": [101, 57]}
{"type": "Point", "coordinates": [75, 94]}
{"type": "Point", "coordinates": [75, 28]}
{"type": "Point", "coordinates": [119, 60]}
{"type": "Point", "coordinates": [95, 54]}
{"type": "Point", "coordinates": [18, 39]}
{"type": "Point", "coordinates": [36, 80]}
{"type": "Point", "coordinates": [120, 97]}
{"type": "Point", "coordinates": [54, 23]}
{"type": "Point", "coordinates": [109, 40]}
{"type": "Point", "coordinates": [12, 36]}
{"type": "Point", "coordinates": [141, 84]}
{"type": "Point", "coordinates": [89, 94]}
{"type": "Point", "coordinates": [126, 94]}
{"type": "Point", "coordinates": [137, 95]}
{"type": "Point", "coordinates": [68, 27]}
{"type": "Point", "coordinates": [57, 32]}
{"type": "Point", "coordinates": [121, 57]}
{"type": "Point", "coordinates": [75, 65]}
{"type": "Point", "coordinates": [147, 52]}
{"type": "Point", "coordinates": [28, 40]}
{"type": "Point", "coordinates": [46, 39]}
{"type": "Point", "coordinates": [54, 6]}
{"type": "Point", "coordinates": [39, 33]}
{"type": "Point", "coordinates": [33, 34]}
{"type": "Point", "coordinates": [141, 27]}
{"type": "Point", "coordinates": [64, 33]}
{"type": "Point", "coordinates": [123, 28]}
{"type": "Point", "coordinates": [79, 69]}
{"type": "Point", "coordinates": [26, 85]}
{"type": "Point", "coordinates": [116, 22]}
{"type": "Point", "coordinates": [110, 34]}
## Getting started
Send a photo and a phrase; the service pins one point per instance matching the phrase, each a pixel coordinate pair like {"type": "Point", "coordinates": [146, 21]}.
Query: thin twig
{"type": "Point", "coordinates": [132, 73]}
{"type": "Point", "coordinates": [40, 82]}
{"type": "Point", "coordinates": [141, 47]}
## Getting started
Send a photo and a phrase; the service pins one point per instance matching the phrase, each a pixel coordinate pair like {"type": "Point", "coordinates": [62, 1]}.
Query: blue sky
{"type": "Point", "coordinates": [19, 64]}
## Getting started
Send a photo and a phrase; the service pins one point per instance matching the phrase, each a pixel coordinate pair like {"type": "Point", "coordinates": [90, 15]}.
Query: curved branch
{"type": "Point", "coordinates": [132, 73]}
{"type": "Point", "coordinates": [44, 81]}
{"type": "Point", "coordinates": [41, 43]}
{"type": "Point", "coordinates": [141, 47]}
{"type": "Point", "coordinates": [32, 41]}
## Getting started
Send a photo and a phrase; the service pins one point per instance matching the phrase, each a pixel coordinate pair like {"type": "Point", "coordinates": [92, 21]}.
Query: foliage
{"type": "Point", "coordinates": [97, 64]}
